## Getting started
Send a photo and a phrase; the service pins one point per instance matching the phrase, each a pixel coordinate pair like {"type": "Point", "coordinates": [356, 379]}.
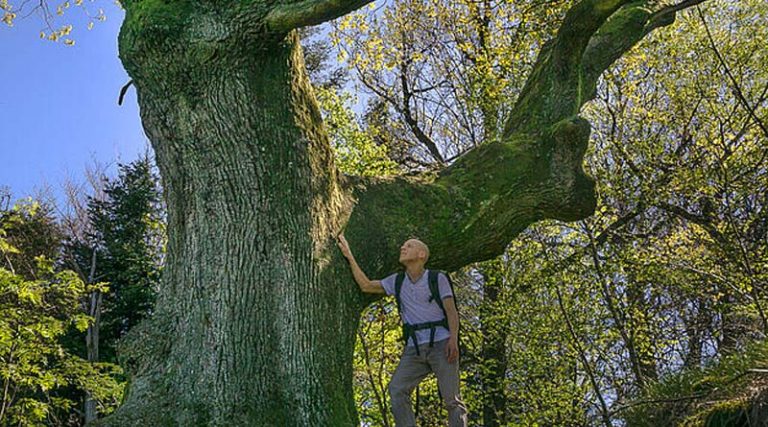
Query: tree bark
{"type": "Point", "coordinates": [493, 356]}
{"type": "Point", "coordinates": [252, 325]}
{"type": "Point", "coordinates": [255, 322]}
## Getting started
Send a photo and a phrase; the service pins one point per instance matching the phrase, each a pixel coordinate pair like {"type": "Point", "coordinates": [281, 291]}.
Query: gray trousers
{"type": "Point", "coordinates": [412, 369]}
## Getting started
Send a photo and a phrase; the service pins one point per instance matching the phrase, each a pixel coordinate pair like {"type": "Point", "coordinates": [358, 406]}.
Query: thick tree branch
{"type": "Point", "coordinates": [471, 210]}
{"type": "Point", "coordinates": [551, 92]}
{"type": "Point", "coordinates": [619, 34]}
{"type": "Point", "coordinates": [593, 35]}
{"type": "Point", "coordinates": [289, 16]}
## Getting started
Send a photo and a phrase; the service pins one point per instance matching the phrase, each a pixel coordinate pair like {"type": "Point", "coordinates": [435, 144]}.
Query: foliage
{"type": "Point", "coordinates": [29, 230]}
{"type": "Point", "coordinates": [51, 13]}
{"type": "Point", "coordinates": [126, 240]}
{"type": "Point", "coordinates": [130, 230]}
{"type": "Point", "coordinates": [356, 151]}
{"type": "Point", "coordinates": [36, 369]}
{"type": "Point", "coordinates": [447, 78]}
{"type": "Point", "coordinates": [669, 274]}
{"type": "Point", "coordinates": [119, 240]}
{"type": "Point", "coordinates": [377, 353]}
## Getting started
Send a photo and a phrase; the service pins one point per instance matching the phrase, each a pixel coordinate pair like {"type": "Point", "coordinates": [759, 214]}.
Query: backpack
{"type": "Point", "coordinates": [409, 330]}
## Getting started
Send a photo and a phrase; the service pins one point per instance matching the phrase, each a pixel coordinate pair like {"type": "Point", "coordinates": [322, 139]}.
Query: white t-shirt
{"type": "Point", "coordinates": [416, 306]}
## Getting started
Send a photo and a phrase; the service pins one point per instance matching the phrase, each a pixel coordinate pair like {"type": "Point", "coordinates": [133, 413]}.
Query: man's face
{"type": "Point", "coordinates": [411, 250]}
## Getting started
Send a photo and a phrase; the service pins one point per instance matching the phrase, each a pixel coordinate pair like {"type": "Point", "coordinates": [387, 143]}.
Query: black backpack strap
{"type": "Point", "coordinates": [409, 333]}
{"type": "Point", "coordinates": [434, 289]}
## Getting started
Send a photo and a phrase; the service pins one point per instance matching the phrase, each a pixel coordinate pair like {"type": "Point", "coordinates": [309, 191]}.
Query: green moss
{"type": "Point", "coordinates": [493, 169]}
{"type": "Point", "coordinates": [617, 35]}
{"type": "Point", "coordinates": [157, 15]}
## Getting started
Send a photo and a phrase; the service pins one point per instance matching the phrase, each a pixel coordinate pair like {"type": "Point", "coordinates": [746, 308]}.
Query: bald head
{"type": "Point", "coordinates": [414, 251]}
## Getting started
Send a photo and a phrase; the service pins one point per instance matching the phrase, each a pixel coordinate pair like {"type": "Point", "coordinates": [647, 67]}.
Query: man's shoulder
{"type": "Point", "coordinates": [388, 283]}
{"type": "Point", "coordinates": [438, 273]}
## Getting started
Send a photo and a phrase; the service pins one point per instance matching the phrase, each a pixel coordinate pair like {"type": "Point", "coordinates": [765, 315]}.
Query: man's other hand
{"type": "Point", "coordinates": [452, 350]}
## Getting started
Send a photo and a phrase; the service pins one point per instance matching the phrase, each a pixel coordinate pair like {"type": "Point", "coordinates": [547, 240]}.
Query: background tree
{"type": "Point", "coordinates": [116, 236]}
{"type": "Point", "coordinates": [129, 231]}
{"type": "Point", "coordinates": [37, 370]}
{"type": "Point", "coordinates": [31, 229]}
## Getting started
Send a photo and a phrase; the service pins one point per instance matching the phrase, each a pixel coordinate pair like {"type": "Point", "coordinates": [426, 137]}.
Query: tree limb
{"type": "Point", "coordinates": [551, 92]}
{"type": "Point", "coordinates": [593, 35]}
{"type": "Point", "coordinates": [411, 121]}
{"type": "Point", "coordinates": [619, 34]}
{"type": "Point", "coordinates": [288, 16]}
{"type": "Point", "coordinates": [472, 209]}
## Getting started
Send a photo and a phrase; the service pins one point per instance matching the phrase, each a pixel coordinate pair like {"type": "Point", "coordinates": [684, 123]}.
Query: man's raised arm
{"type": "Point", "coordinates": [366, 285]}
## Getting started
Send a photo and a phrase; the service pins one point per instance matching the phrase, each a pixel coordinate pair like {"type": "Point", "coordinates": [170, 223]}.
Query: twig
{"type": "Point", "coordinates": [736, 87]}
{"type": "Point", "coordinates": [122, 92]}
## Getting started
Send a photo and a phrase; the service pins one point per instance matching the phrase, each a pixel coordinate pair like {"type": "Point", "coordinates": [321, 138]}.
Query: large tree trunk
{"type": "Point", "coordinates": [255, 322]}
{"type": "Point", "coordinates": [251, 326]}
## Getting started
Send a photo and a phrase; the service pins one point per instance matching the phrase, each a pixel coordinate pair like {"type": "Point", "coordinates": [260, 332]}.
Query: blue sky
{"type": "Point", "coordinates": [58, 104]}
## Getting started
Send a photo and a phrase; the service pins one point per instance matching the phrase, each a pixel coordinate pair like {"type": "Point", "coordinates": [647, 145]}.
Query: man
{"type": "Point", "coordinates": [432, 349]}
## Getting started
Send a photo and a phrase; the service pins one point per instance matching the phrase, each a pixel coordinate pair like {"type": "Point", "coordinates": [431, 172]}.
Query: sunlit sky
{"type": "Point", "coordinates": [58, 104]}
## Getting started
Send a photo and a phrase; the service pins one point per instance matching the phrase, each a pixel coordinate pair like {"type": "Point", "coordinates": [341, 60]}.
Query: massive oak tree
{"type": "Point", "coordinates": [255, 323]}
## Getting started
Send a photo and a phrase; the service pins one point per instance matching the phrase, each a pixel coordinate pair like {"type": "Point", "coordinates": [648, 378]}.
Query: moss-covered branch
{"type": "Point", "coordinates": [592, 36]}
{"type": "Point", "coordinates": [619, 34]}
{"type": "Point", "coordinates": [288, 16]}
{"type": "Point", "coordinates": [471, 210]}
{"type": "Point", "coordinates": [552, 90]}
